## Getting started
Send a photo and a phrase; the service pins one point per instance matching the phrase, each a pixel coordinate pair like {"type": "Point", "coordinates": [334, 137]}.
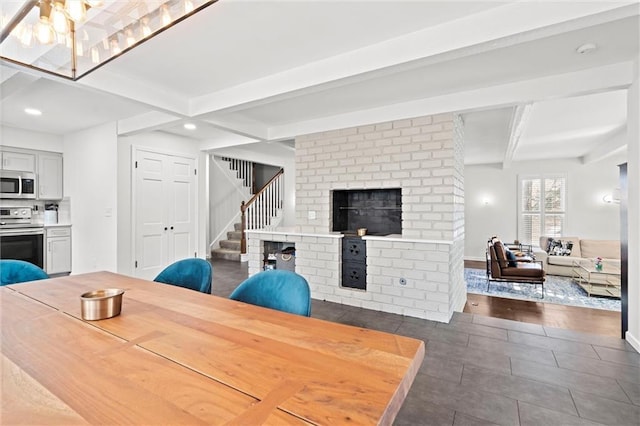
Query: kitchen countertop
{"type": "Point", "coordinates": [58, 225]}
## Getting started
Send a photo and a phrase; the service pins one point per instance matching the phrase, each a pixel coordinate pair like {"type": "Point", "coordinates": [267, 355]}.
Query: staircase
{"type": "Point", "coordinates": [262, 210]}
{"type": "Point", "coordinates": [229, 248]}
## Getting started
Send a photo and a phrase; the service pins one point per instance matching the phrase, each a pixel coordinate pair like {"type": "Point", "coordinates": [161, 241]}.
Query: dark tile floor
{"type": "Point", "coordinates": [481, 371]}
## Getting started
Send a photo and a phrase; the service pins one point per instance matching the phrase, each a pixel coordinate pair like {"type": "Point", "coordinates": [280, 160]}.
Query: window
{"type": "Point", "coordinates": [542, 207]}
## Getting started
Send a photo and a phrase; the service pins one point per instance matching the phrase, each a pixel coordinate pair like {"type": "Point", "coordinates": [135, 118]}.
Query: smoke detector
{"type": "Point", "coordinates": [586, 48]}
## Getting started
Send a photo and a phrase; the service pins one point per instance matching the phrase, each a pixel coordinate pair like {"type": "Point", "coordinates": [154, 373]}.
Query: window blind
{"type": "Point", "coordinates": [542, 207]}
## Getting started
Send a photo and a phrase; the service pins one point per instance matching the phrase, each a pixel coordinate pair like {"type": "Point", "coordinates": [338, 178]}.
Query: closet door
{"type": "Point", "coordinates": [181, 209]}
{"type": "Point", "coordinates": [164, 211]}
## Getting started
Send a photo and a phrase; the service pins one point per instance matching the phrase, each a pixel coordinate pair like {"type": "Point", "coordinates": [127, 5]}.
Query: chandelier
{"type": "Point", "coordinates": [71, 38]}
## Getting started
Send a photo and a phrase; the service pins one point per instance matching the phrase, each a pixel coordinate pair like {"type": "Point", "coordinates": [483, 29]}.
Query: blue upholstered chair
{"type": "Point", "coordinates": [18, 271]}
{"type": "Point", "coordinates": [193, 273]}
{"type": "Point", "coordinates": [276, 289]}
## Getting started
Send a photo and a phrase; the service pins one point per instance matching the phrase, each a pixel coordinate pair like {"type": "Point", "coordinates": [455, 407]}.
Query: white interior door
{"type": "Point", "coordinates": [181, 208]}
{"type": "Point", "coordinates": [164, 211]}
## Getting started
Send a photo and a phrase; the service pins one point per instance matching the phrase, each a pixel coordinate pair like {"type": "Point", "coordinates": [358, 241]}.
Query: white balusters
{"type": "Point", "coordinates": [243, 169]}
{"type": "Point", "coordinates": [265, 205]}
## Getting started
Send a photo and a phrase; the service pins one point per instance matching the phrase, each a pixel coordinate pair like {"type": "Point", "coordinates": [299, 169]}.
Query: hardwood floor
{"type": "Point", "coordinates": [596, 321]}
{"type": "Point", "coordinates": [228, 274]}
{"type": "Point", "coordinates": [586, 320]}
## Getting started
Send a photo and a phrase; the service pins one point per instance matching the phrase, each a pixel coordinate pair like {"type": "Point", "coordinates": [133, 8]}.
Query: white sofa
{"type": "Point", "coordinates": [584, 251]}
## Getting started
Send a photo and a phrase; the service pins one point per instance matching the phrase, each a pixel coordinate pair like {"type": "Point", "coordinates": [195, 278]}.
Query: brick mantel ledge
{"type": "Point", "coordinates": [399, 238]}
{"type": "Point", "coordinates": [391, 237]}
{"type": "Point", "coordinates": [293, 232]}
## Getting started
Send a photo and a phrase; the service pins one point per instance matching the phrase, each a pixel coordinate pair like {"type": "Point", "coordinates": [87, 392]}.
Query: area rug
{"type": "Point", "coordinates": [559, 290]}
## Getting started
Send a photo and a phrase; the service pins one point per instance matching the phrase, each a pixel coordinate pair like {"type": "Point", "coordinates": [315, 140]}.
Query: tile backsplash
{"type": "Point", "coordinates": [37, 206]}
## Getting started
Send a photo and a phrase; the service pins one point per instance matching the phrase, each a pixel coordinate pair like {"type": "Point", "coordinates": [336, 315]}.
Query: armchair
{"type": "Point", "coordinates": [502, 269]}
{"type": "Point", "coordinates": [276, 289]}
{"type": "Point", "coordinates": [193, 273]}
{"type": "Point", "coordinates": [14, 271]}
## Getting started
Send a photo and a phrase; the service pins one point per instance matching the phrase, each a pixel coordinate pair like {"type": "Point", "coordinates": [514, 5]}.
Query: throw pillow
{"type": "Point", "coordinates": [511, 257]}
{"type": "Point", "coordinates": [559, 248]}
{"type": "Point", "coordinates": [566, 248]}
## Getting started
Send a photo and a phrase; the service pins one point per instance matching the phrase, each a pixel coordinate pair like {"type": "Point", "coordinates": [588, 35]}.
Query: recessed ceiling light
{"type": "Point", "coordinates": [586, 48]}
{"type": "Point", "coordinates": [33, 111]}
{"type": "Point", "coordinates": [189, 126]}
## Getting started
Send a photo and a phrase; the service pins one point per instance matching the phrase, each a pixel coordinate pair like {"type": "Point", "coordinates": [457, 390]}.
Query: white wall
{"type": "Point", "coordinates": [11, 136]}
{"type": "Point", "coordinates": [633, 134]}
{"type": "Point", "coordinates": [587, 215]}
{"type": "Point", "coordinates": [275, 155]}
{"type": "Point", "coordinates": [90, 181]}
{"type": "Point", "coordinates": [165, 143]}
{"type": "Point", "coordinates": [225, 197]}
{"type": "Point", "coordinates": [263, 174]}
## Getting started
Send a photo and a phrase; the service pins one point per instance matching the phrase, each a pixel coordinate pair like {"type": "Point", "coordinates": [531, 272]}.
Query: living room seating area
{"type": "Point", "coordinates": [559, 255]}
{"type": "Point", "coordinates": [591, 264]}
{"type": "Point", "coordinates": [503, 265]}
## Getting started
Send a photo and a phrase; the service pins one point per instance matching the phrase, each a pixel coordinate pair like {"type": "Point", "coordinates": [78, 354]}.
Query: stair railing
{"type": "Point", "coordinates": [243, 169]}
{"type": "Point", "coordinates": [260, 209]}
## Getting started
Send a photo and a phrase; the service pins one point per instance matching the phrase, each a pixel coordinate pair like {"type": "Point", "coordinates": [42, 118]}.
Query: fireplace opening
{"type": "Point", "coordinates": [378, 210]}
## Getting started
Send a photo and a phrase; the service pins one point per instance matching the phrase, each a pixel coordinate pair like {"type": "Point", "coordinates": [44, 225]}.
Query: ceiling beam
{"type": "Point", "coordinates": [239, 126]}
{"type": "Point", "coordinates": [147, 122]}
{"type": "Point", "coordinates": [528, 21]}
{"type": "Point", "coordinates": [159, 98]}
{"type": "Point", "coordinates": [15, 84]}
{"type": "Point", "coordinates": [614, 143]}
{"type": "Point", "coordinates": [519, 121]}
{"type": "Point", "coordinates": [159, 120]}
{"type": "Point", "coordinates": [593, 80]}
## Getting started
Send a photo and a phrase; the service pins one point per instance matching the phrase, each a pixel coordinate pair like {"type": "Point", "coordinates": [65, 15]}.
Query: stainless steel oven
{"type": "Point", "coordinates": [17, 184]}
{"type": "Point", "coordinates": [19, 237]}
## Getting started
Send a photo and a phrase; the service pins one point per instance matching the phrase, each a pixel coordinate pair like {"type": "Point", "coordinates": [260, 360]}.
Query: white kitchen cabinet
{"type": "Point", "coordinates": [19, 161]}
{"type": "Point", "coordinates": [58, 252]}
{"type": "Point", "coordinates": [49, 176]}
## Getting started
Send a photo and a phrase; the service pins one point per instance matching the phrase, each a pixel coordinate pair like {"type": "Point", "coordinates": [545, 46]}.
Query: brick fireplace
{"type": "Point", "coordinates": [417, 271]}
{"type": "Point", "coordinates": [377, 210]}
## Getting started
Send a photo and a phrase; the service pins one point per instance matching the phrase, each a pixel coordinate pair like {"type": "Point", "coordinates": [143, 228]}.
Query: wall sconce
{"type": "Point", "coordinates": [610, 199]}
{"type": "Point", "coordinates": [613, 198]}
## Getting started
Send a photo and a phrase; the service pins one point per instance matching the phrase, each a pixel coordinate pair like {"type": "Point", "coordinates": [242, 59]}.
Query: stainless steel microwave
{"type": "Point", "coordinates": [17, 184]}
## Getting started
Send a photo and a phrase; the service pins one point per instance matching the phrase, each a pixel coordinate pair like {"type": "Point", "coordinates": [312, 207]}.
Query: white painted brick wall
{"type": "Point", "coordinates": [457, 286]}
{"type": "Point", "coordinates": [414, 154]}
{"type": "Point", "coordinates": [424, 157]}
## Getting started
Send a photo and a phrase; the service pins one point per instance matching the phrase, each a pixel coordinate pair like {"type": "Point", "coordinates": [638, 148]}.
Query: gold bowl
{"type": "Point", "coordinates": [101, 304]}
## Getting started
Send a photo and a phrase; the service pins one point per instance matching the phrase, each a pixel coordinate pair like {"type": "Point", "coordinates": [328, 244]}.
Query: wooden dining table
{"type": "Point", "coordinates": [178, 356]}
